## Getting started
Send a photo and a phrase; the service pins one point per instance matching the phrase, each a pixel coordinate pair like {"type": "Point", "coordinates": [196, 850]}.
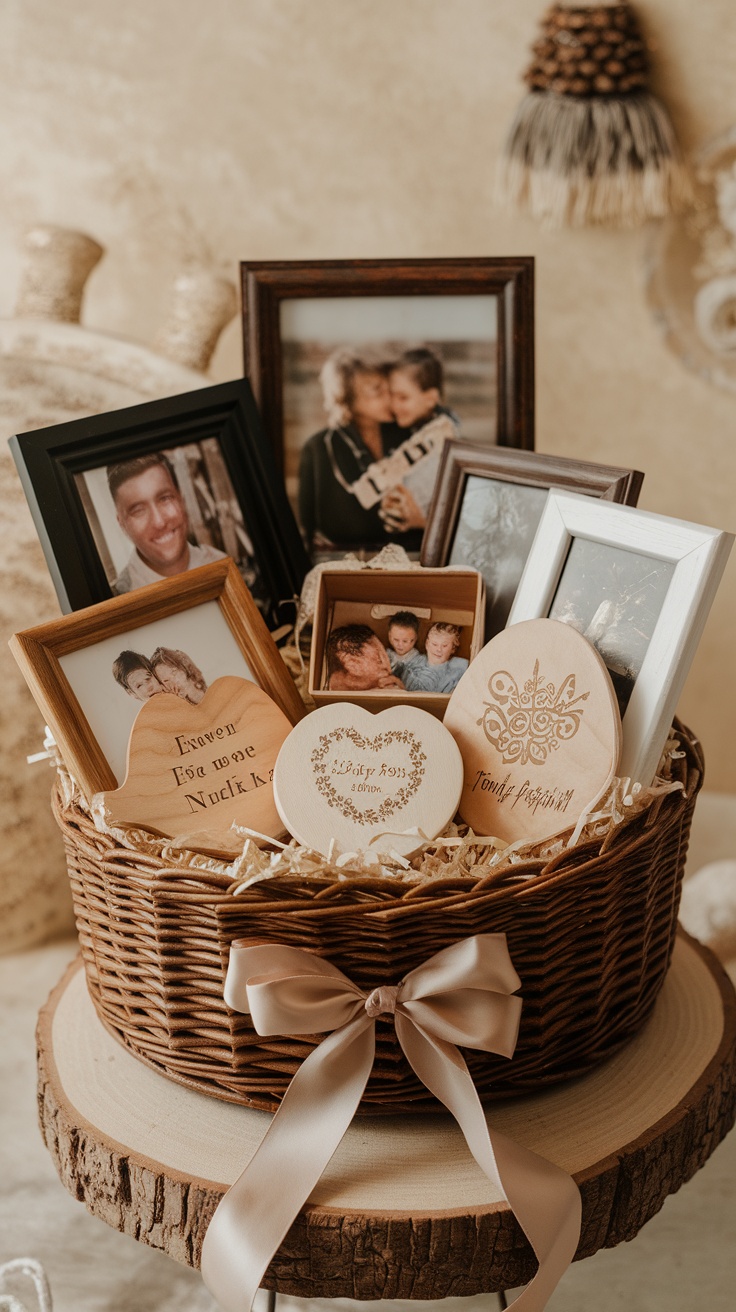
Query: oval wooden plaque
{"type": "Point", "coordinates": [537, 723]}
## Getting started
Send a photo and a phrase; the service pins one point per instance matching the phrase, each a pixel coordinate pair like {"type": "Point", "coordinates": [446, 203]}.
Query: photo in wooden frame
{"type": "Point", "coordinates": [382, 637]}
{"type": "Point", "coordinates": [89, 672]}
{"type": "Point", "coordinates": [122, 499]}
{"type": "Point", "coordinates": [362, 368]}
{"type": "Point", "coordinates": [487, 505]}
{"type": "Point", "coordinates": [639, 586]}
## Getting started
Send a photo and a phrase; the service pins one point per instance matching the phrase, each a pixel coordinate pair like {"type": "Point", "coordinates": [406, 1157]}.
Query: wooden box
{"type": "Point", "coordinates": [454, 596]}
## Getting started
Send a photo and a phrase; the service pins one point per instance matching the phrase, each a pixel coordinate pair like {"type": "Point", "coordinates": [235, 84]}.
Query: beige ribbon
{"type": "Point", "coordinates": [459, 996]}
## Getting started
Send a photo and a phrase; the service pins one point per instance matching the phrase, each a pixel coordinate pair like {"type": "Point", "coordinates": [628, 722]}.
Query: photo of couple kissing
{"type": "Point", "coordinates": [368, 477]}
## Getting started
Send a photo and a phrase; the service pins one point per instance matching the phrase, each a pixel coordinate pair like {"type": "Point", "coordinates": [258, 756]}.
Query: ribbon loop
{"type": "Point", "coordinates": [462, 995]}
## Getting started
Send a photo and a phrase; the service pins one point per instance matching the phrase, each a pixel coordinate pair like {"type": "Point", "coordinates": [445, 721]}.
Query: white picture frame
{"type": "Point", "coordinates": [692, 557]}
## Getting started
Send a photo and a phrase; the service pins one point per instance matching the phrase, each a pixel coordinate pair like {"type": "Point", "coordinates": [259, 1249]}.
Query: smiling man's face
{"type": "Point", "coordinates": [153, 515]}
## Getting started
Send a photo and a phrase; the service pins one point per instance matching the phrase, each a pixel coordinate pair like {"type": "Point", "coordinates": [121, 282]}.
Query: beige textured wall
{"type": "Point", "coordinates": [318, 128]}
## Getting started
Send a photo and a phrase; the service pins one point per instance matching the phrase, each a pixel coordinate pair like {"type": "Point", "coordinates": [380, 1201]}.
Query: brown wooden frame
{"type": "Point", "coordinates": [460, 460]}
{"type": "Point", "coordinates": [37, 652]}
{"type": "Point", "coordinates": [266, 283]}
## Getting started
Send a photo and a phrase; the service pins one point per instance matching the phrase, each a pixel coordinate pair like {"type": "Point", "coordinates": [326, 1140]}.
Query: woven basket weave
{"type": "Point", "coordinates": [590, 933]}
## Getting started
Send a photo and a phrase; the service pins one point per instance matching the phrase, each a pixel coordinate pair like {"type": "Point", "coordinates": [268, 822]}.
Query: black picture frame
{"type": "Point", "coordinates": [268, 285]}
{"type": "Point", "coordinates": [49, 461]}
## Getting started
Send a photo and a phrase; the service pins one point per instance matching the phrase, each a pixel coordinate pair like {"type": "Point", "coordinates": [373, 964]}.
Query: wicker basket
{"type": "Point", "coordinates": [590, 934]}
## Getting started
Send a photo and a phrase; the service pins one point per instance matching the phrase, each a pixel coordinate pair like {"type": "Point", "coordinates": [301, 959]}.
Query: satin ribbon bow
{"type": "Point", "coordinates": [461, 995]}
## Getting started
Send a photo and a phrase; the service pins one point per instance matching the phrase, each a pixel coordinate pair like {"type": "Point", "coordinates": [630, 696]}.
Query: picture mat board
{"type": "Point", "coordinates": [375, 318]}
{"type": "Point", "coordinates": [201, 632]}
{"type": "Point", "coordinates": [698, 554]}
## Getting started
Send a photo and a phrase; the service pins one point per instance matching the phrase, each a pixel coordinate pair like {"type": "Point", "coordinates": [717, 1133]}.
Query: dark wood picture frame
{"type": "Point", "coordinates": [461, 460]}
{"type": "Point", "coordinates": [49, 459]}
{"type": "Point", "coordinates": [37, 652]}
{"type": "Point", "coordinates": [267, 283]}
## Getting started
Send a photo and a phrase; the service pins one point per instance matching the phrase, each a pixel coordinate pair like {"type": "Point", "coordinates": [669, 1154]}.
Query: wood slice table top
{"type": "Point", "coordinates": [402, 1210]}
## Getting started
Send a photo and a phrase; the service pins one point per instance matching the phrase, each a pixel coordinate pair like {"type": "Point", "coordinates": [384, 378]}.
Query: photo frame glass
{"type": "Point", "coordinates": [495, 528]}
{"type": "Point", "coordinates": [181, 653]}
{"type": "Point", "coordinates": [186, 504]}
{"type": "Point", "coordinates": [424, 368]}
{"type": "Point", "coordinates": [614, 597]}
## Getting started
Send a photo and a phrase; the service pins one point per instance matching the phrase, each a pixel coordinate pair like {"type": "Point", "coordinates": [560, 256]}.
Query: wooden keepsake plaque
{"type": "Point", "coordinates": [538, 726]}
{"type": "Point", "coordinates": [373, 783]}
{"type": "Point", "coordinates": [194, 771]}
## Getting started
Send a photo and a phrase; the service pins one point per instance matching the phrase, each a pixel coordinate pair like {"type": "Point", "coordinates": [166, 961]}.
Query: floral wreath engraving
{"type": "Point", "coordinates": [373, 815]}
{"type": "Point", "coordinates": [525, 726]}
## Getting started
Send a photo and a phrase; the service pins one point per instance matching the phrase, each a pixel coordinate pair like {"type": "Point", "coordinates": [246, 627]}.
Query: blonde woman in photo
{"type": "Point", "coordinates": [177, 673]}
{"type": "Point", "coordinates": [360, 432]}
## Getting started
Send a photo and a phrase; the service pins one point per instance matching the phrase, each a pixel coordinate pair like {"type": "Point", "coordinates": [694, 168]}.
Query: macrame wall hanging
{"type": "Point", "coordinates": [590, 143]}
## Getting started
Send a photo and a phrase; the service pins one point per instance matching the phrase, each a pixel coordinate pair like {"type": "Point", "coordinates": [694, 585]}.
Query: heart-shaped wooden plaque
{"type": "Point", "coordinates": [370, 782]}
{"type": "Point", "coordinates": [537, 722]}
{"type": "Point", "coordinates": [194, 771]}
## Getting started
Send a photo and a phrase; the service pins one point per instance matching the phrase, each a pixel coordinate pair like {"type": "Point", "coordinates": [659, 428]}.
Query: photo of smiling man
{"type": "Point", "coordinates": [151, 512]}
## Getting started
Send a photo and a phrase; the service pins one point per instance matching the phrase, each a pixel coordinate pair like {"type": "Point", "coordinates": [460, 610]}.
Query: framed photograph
{"type": "Point", "coordinates": [124, 499]}
{"type": "Point", "coordinates": [363, 368]}
{"type": "Point", "coordinates": [488, 502]}
{"type": "Point", "coordinates": [89, 672]}
{"type": "Point", "coordinates": [387, 636]}
{"type": "Point", "coordinates": [639, 587]}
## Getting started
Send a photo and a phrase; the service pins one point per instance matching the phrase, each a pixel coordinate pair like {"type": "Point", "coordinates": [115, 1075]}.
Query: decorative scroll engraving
{"type": "Point", "coordinates": [377, 778]}
{"type": "Point", "coordinates": [525, 726]}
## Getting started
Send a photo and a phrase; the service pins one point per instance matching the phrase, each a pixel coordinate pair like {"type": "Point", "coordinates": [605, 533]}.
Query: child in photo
{"type": "Point", "coordinates": [416, 384]}
{"type": "Point", "coordinates": [438, 669]}
{"type": "Point", "coordinates": [403, 636]}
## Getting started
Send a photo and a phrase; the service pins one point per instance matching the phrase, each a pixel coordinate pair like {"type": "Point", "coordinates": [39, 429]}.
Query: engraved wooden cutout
{"type": "Point", "coordinates": [194, 771]}
{"type": "Point", "coordinates": [363, 780]}
{"type": "Point", "coordinates": [536, 720]}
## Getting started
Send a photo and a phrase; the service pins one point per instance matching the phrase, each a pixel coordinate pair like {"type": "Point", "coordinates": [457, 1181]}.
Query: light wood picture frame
{"type": "Point", "coordinates": [486, 508]}
{"type": "Point", "coordinates": [640, 586]}
{"type": "Point", "coordinates": [210, 604]}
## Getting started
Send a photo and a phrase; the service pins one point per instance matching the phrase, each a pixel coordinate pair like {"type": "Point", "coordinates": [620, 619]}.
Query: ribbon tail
{"type": "Point", "coordinates": [544, 1198]}
{"type": "Point", "coordinates": [255, 1214]}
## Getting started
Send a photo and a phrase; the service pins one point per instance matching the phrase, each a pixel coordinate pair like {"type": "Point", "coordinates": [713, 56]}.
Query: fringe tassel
{"type": "Point", "coordinates": [582, 160]}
